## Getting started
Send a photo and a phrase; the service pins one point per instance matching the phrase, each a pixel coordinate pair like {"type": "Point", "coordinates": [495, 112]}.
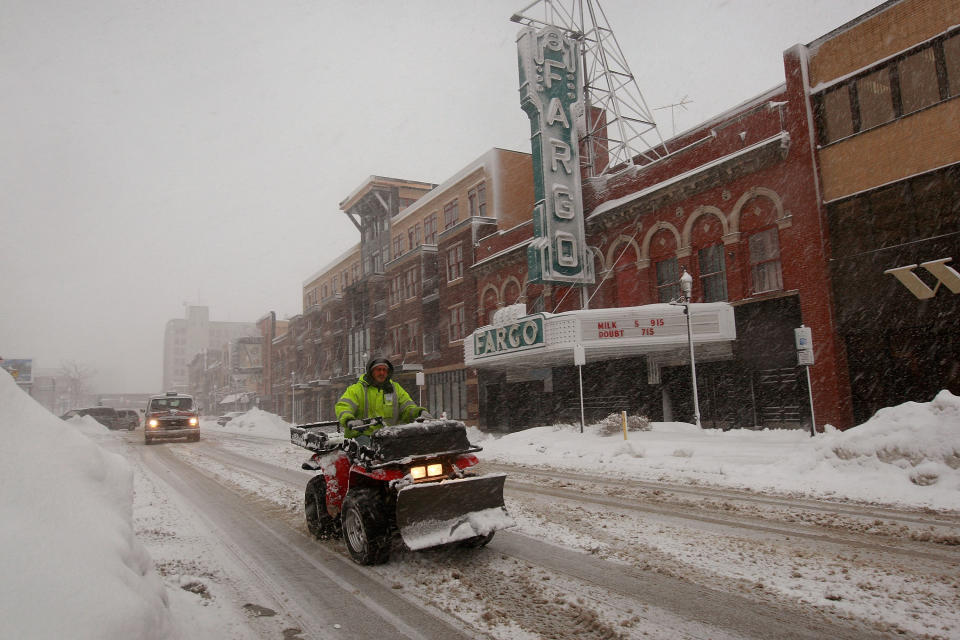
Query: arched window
{"type": "Point", "coordinates": [663, 254]}
{"type": "Point", "coordinates": [711, 261]}
{"type": "Point", "coordinates": [758, 224]}
{"type": "Point", "coordinates": [765, 271]}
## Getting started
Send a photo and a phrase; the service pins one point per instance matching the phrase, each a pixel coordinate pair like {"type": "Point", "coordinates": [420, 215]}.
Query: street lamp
{"type": "Point", "coordinates": [686, 287]}
{"type": "Point", "coordinates": [293, 397]}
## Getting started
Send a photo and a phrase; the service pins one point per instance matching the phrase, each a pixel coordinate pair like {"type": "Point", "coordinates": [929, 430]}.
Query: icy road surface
{"type": "Point", "coordinates": [590, 558]}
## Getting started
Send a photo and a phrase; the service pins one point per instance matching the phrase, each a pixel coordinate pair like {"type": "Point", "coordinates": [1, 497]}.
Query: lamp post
{"type": "Point", "coordinates": [293, 397]}
{"type": "Point", "coordinates": [686, 287]}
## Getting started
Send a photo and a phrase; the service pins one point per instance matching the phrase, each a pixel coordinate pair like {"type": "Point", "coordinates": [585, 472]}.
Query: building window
{"type": "Point", "coordinates": [411, 239]}
{"type": "Point", "coordinates": [397, 245]}
{"type": "Point", "coordinates": [455, 263]}
{"type": "Point", "coordinates": [765, 272]}
{"type": "Point", "coordinates": [482, 198]}
{"type": "Point", "coordinates": [450, 214]}
{"type": "Point", "coordinates": [396, 344]}
{"type": "Point", "coordinates": [356, 271]}
{"type": "Point", "coordinates": [394, 295]}
{"type": "Point", "coordinates": [668, 280]}
{"type": "Point", "coordinates": [323, 292]}
{"type": "Point", "coordinates": [429, 342]}
{"type": "Point", "coordinates": [336, 280]}
{"type": "Point", "coordinates": [477, 199]}
{"type": "Point", "coordinates": [430, 229]}
{"type": "Point", "coordinates": [875, 99]}
{"type": "Point", "coordinates": [837, 117]}
{"type": "Point", "coordinates": [377, 262]}
{"type": "Point", "coordinates": [919, 87]}
{"type": "Point", "coordinates": [456, 323]}
{"type": "Point", "coordinates": [713, 273]}
{"type": "Point", "coordinates": [951, 58]}
{"type": "Point", "coordinates": [410, 284]}
{"type": "Point", "coordinates": [413, 337]}
{"type": "Point", "coordinates": [898, 87]}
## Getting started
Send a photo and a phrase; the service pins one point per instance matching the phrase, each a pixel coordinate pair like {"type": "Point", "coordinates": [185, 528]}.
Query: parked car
{"type": "Point", "coordinates": [107, 416]}
{"type": "Point", "coordinates": [227, 417]}
{"type": "Point", "coordinates": [129, 419]}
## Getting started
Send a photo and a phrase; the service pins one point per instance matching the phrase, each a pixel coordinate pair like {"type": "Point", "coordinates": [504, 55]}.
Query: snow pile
{"type": "Point", "coordinates": [907, 455]}
{"type": "Point", "coordinates": [257, 422]}
{"type": "Point", "coordinates": [921, 440]}
{"type": "Point", "coordinates": [74, 568]}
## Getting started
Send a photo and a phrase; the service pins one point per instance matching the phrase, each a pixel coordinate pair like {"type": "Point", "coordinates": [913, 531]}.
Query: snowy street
{"type": "Point", "coordinates": [591, 557]}
{"type": "Point", "coordinates": [668, 532]}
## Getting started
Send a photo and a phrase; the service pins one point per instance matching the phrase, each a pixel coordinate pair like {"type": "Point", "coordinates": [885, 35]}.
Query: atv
{"type": "Point", "coordinates": [415, 479]}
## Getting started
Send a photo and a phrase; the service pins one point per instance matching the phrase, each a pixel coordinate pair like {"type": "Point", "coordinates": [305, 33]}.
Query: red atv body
{"type": "Point", "coordinates": [416, 480]}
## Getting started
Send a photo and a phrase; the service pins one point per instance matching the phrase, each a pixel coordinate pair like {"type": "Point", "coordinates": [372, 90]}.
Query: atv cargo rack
{"type": "Point", "coordinates": [314, 435]}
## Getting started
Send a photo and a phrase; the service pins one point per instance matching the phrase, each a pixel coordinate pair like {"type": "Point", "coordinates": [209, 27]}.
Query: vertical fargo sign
{"type": "Point", "coordinates": [551, 95]}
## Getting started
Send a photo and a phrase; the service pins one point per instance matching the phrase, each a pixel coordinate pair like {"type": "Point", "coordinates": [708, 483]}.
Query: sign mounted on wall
{"type": "Point", "coordinates": [526, 333]}
{"type": "Point", "coordinates": [944, 275]}
{"type": "Point", "coordinates": [551, 94]}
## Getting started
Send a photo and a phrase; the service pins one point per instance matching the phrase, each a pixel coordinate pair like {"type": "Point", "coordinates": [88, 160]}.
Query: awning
{"type": "Point", "coordinates": [655, 330]}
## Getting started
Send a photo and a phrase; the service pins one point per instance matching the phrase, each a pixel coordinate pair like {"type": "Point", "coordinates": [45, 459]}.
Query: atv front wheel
{"type": "Point", "coordinates": [365, 527]}
{"type": "Point", "coordinates": [319, 522]}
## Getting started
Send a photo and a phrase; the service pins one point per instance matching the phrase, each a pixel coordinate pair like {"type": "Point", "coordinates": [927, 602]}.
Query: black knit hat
{"type": "Point", "coordinates": [375, 361]}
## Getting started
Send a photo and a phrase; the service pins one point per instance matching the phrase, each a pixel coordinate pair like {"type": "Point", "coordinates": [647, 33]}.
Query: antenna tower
{"type": "Point", "coordinates": [622, 130]}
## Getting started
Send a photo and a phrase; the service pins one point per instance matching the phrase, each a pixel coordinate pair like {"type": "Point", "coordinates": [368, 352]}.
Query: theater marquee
{"type": "Point", "coordinates": [547, 339]}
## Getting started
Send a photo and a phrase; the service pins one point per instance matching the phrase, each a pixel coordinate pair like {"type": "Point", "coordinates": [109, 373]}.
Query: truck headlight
{"type": "Point", "coordinates": [193, 422]}
{"type": "Point", "coordinates": [153, 423]}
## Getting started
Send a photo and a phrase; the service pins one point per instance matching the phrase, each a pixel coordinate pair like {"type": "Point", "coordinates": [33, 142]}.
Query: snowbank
{"type": "Point", "coordinates": [256, 422]}
{"type": "Point", "coordinates": [907, 455]}
{"type": "Point", "coordinates": [73, 567]}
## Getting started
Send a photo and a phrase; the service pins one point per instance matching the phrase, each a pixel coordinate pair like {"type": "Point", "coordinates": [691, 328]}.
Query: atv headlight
{"type": "Point", "coordinates": [418, 473]}
{"type": "Point", "coordinates": [193, 422]}
{"type": "Point", "coordinates": [435, 470]}
{"type": "Point", "coordinates": [154, 423]}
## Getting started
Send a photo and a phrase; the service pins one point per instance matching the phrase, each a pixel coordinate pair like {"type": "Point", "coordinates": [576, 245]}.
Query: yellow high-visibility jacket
{"type": "Point", "coordinates": [363, 400]}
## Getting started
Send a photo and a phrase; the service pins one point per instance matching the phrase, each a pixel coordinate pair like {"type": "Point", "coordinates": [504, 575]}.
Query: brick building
{"type": "Point", "coordinates": [885, 92]}
{"type": "Point", "coordinates": [404, 291]}
{"type": "Point", "coordinates": [774, 210]}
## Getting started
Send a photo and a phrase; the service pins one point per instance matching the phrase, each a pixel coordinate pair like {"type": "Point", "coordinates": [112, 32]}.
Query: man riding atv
{"type": "Point", "coordinates": [376, 395]}
{"type": "Point", "coordinates": [395, 470]}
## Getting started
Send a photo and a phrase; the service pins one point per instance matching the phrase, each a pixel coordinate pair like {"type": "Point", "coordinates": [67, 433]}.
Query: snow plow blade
{"type": "Point", "coordinates": [436, 513]}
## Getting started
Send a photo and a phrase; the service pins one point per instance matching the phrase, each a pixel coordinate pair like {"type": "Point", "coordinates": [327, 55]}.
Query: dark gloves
{"type": "Point", "coordinates": [356, 425]}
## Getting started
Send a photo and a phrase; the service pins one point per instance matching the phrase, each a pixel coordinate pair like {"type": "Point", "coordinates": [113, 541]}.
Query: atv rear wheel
{"type": "Point", "coordinates": [319, 522]}
{"type": "Point", "coordinates": [365, 527]}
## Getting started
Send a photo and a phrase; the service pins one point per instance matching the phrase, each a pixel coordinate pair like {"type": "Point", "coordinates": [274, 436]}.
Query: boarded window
{"type": "Point", "coordinates": [951, 55]}
{"type": "Point", "coordinates": [875, 99]}
{"type": "Point", "coordinates": [836, 116]}
{"type": "Point", "coordinates": [919, 87]}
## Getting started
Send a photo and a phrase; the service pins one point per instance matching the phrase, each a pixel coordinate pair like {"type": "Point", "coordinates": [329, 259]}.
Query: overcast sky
{"type": "Point", "coordinates": [157, 153]}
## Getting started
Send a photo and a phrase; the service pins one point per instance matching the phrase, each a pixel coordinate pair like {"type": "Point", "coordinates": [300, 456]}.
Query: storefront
{"type": "Point", "coordinates": [635, 359]}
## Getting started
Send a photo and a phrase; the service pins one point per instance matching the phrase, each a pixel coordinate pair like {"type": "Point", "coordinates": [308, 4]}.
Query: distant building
{"type": "Point", "coordinates": [184, 339]}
